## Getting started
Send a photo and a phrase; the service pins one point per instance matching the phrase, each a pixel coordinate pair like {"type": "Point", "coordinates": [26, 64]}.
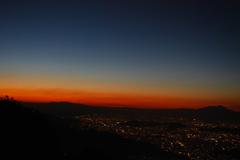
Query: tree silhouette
{"type": "Point", "coordinates": [6, 101]}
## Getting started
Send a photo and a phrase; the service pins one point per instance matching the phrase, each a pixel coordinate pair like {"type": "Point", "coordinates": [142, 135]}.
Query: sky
{"type": "Point", "coordinates": [121, 53]}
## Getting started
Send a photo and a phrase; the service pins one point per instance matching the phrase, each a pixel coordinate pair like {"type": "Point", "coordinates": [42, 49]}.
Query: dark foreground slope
{"type": "Point", "coordinates": [29, 134]}
{"type": "Point", "coordinates": [25, 133]}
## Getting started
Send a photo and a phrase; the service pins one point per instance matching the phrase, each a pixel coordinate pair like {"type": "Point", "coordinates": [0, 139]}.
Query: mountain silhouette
{"type": "Point", "coordinates": [209, 113]}
{"type": "Point", "coordinates": [218, 113]}
{"type": "Point", "coordinates": [214, 109]}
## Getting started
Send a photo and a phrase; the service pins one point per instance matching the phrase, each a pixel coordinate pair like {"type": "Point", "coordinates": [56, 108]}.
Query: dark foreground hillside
{"type": "Point", "coordinates": [28, 134]}
{"type": "Point", "coordinates": [25, 133]}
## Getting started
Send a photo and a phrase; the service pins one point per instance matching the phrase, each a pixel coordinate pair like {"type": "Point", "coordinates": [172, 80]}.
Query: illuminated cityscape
{"type": "Point", "coordinates": [193, 138]}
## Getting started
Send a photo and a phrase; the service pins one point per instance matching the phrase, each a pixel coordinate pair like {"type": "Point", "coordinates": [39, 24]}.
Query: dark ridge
{"type": "Point", "coordinates": [218, 114]}
{"type": "Point", "coordinates": [25, 133]}
{"type": "Point", "coordinates": [30, 134]}
{"type": "Point", "coordinates": [218, 108]}
{"type": "Point", "coordinates": [65, 109]}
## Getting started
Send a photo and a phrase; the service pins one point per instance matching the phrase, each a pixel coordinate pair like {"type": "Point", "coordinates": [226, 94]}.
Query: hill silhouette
{"type": "Point", "coordinates": [27, 133]}
{"type": "Point", "coordinates": [214, 109]}
{"type": "Point", "coordinates": [218, 113]}
{"type": "Point", "coordinates": [209, 113]}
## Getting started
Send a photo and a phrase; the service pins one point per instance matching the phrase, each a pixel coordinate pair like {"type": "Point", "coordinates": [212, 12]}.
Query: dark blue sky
{"type": "Point", "coordinates": [187, 45]}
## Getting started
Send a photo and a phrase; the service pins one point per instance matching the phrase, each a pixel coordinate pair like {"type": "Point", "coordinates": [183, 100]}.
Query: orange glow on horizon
{"type": "Point", "coordinates": [112, 99]}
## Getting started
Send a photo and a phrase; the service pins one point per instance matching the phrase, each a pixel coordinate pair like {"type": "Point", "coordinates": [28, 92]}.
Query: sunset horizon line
{"type": "Point", "coordinates": [127, 106]}
{"type": "Point", "coordinates": [120, 99]}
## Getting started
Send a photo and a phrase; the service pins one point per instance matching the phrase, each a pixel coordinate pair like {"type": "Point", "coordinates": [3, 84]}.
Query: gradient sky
{"type": "Point", "coordinates": [122, 53]}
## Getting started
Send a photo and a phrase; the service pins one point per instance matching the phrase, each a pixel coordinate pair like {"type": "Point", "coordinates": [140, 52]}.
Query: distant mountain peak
{"type": "Point", "coordinates": [215, 108]}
